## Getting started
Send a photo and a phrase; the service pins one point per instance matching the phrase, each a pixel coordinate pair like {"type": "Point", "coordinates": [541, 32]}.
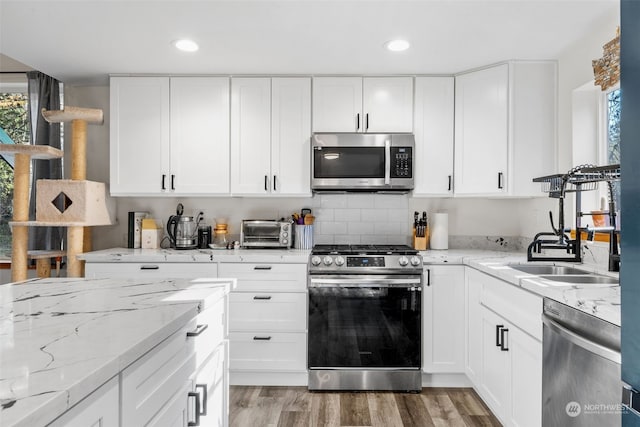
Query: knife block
{"type": "Point", "coordinates": [420, 242]}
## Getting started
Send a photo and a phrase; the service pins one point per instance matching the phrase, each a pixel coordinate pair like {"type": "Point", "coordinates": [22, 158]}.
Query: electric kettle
{"type": "Point", "coordinates": [182, 230]}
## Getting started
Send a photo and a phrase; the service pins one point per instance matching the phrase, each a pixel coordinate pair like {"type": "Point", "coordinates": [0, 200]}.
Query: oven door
{"type": "Point", "coordinates": [364, 322]}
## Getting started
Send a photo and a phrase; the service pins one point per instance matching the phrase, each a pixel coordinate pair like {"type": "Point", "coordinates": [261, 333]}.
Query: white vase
{"type": "Point", "coordinates": [439, 231]}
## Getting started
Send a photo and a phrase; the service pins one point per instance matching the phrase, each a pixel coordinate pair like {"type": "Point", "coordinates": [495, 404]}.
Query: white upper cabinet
{"type": "Point", "coordinates": [505, 128]}
{"type": "Point", "coordinates": [169, 136]}
{"type": "Point", "coordinates": [270, 136]}
{"type": "Point", "coordinates": [363, 104]}
{"type": "Point", "coordinates": [433, 122]}
{"type": "Point", "coordinates": [139, 135]}
{"type": "Point", "coordinates": [200, 134]}
{"type": "Point", "coordinates": [481, 131]}
{"type": "Point", "coordinates": [290, 136]}
{"type": "Point", "coordinates": [388, 104]}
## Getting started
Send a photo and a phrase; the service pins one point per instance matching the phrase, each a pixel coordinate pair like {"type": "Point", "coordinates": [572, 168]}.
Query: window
{"type": "Point", "coordinates": [14, 123]}
{"type": "Point", "coordinates": [610, 151]}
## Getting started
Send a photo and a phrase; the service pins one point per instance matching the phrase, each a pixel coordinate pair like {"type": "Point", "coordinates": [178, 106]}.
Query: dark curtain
{"type": "Point", "coordinates": [44, 92]}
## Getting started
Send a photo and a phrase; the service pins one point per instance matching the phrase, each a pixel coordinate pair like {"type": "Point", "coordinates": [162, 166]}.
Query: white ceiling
{"type": "Point", "coordinates": [84, 41]}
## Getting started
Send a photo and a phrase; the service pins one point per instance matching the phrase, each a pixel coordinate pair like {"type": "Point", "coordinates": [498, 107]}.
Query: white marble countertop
{"type": "Point", "coordinates": [60, 339]}
{"type": "Point", "coordinates": [296, 256]}
{"type": "Point", "coordinates": [602, 301]}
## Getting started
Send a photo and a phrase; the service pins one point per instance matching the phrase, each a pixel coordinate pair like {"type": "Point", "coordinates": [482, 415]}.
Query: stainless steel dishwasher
{"type": "Point", "coordinates": [581, 384]}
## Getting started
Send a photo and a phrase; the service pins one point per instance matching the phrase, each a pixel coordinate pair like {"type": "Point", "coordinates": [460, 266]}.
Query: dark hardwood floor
{"type": "Point", "coordinates": [296, 407]}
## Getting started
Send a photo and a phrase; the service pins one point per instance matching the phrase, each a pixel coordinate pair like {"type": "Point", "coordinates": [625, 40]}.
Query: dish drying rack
{"type": "Point", "coordinates": [577, 180]}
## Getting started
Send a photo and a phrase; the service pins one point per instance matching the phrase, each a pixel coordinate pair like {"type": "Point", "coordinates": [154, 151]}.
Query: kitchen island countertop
{"type": "Point", "coordinates": [60, 339]}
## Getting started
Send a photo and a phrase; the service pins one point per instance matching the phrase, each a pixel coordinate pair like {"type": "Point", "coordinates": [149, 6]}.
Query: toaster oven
{"type": "Point", "coordinates": [261, 233]}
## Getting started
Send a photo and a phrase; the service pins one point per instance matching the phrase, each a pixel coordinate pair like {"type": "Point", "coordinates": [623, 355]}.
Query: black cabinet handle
{"type": "Point", "coordinates": [262, 338]}
{"type": "Point", "coordinates": [266, 183]}
{"type": "Point", "coordinates": [428, 277]}
{"type": "Point", "coordinates": [262, 267]}
{"type": "Point", "coordinates": [366, 126]}
{"type": "Point", "coordinates": [503, 343]}
{"type": "Point", "coordinates": [199, 329]}
{"type": "Point", "coordinates": [449, 189]}
{"type": "Point", "coordinates": [274, 183]}
{"type": "Point", "coordinates": [163, 177]}
{"type": "Point", "coordinates": [173, 179]}
{"type": "Point", "coordinates": [149, 267]}
{"type": "Point", "coordinates": [358, 121]}
{"type": "Point", "coordinates": [262, 297]}
{"type": "Point", "coordinates": [203, 387]}
{"type": "Point", "coordinates": [197, 411]}
{"type": "Point", "coordinates": [500, 180]}
{"type": "Point", "coordinates": [498, 335]}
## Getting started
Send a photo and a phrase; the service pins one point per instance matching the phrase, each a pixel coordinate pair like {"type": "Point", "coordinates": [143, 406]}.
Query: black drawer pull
{"type": "Point", "coordinates": [262, 338]}
{"type": "Point", "coordinates": [199, 329]}
{"type": "Point", "coordinates": [262, 267]}
{"type": "Point", "coordinates": [150, 267]}
{"type": "Point", "coordinates": [197, 411]}
{"type": "Point", "coordinates": [449, 189]}
{"type": "Point", "coordinates": [503, 341]}
{"type": "Point", "coordinates": [260, 297]}
{"type": "Point", "coordinates": [163, 177]}
{"type": "Point", "coordinates": [498, 335]}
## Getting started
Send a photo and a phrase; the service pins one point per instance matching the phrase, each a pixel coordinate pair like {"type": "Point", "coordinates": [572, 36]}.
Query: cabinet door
{"type": "Point", "coordinates": [433, 130]}
{"type": "Point", "coordinates": [443, 345]}
{"type": "Point", "coordinates": [388, 104]}
{"type": "Point", "coordinates": [100, 408]}
{"type": "Point", "coordinates": [481, 131]}
{"type": "Point", "coordinates": [473, 326]}
{"type": "Point", "coordinates": [337, 104]}
{"type": "Point", "coordinates": [526, 379]}
{"type": "Point", "coordinates": [200, 135]}
{"type": "Point", "coordinates": [495, 388]}
{"type": "Point", "coordinates": [290, 136]}
{"type": "Point", "coordinates": [173, 413]}
{"type": "Point", "coordinates": [139, 135]}
{"type": "Point", "coordinates": [212, 378]}
{"type": "Point", "coordinates": [250, 135]}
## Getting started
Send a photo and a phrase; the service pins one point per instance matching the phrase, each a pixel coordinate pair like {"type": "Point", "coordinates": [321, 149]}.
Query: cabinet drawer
{"type": "Point", "coordinates": [215, 333]}
{"type": "Point", "coordinates": [267, 311]}
{"type": "Point", "coordinates": [268, 351]}
{"type": "Point", "coordinates": [518, 306]}
{"type": "Point", "coordinates": [266, 277]}
{"type": "Point", "coordinates": [151, 381]}
{"type": "Point", "coordinates": [164, 270]}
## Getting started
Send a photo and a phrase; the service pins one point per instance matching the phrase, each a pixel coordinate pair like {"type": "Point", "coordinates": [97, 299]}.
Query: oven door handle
{"type": "Point", "coordinates": [362, 283]}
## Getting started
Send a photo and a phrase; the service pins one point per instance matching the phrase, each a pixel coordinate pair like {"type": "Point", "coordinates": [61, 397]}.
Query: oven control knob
{"type": "Point", "coordinates": [403, 261]}
{"type": "Point", "coordinates": [315, 260]}
{"type": "Point", "coordinates": [285, 234]}
{"type": "Point", "coordinates": [415, 261]}
{"type": "Point", "coordinates": [327, 260]}
{"type": "Point", "coordinates": [339, 260]}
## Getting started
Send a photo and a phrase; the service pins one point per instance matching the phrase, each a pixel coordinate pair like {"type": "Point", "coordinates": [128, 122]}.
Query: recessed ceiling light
{"type": "Point", "coordinates": [186, 45]}
{"type": "Point", "coordinates": [397, 45]}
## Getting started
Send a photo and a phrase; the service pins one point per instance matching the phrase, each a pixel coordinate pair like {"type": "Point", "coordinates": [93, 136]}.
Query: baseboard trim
{"type": "Point", "coordinates": [445, 380]}
{"type": "Point", "coordinates": [261, 378]}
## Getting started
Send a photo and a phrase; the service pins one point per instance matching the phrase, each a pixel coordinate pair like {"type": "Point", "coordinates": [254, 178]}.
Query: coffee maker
{"type": "Point", "coordinates": [182, 230]}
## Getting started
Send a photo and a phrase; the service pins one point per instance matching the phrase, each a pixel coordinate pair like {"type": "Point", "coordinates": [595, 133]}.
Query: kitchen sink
{"type": "Point", "coordinates": [547, 269]}
{"type": "Point", "coordinates": [577, 279]}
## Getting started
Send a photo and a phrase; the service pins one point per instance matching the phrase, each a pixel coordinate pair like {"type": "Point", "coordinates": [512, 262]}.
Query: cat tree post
{"type": "Point", "coordinates": [20, 233]}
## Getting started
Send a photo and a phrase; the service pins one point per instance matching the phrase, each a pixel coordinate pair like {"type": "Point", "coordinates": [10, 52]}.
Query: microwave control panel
{"type": "Point", "coordinates": [401, 162]}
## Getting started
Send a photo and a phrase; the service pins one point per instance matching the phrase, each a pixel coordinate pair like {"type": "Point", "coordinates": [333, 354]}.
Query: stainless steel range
{"type": "Point", "coordinates": [365, 318]}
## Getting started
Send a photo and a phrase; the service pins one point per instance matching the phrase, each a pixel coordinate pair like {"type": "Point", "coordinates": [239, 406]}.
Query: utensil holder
{"type": "Point", "coordinates": [420, 242]}
{"type": "Point", "coordinates": [303, 236]}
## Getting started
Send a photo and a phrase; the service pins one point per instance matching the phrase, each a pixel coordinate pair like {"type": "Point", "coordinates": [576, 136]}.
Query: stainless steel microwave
{"type": "Point", "coordinates": [259, 233]}
{"type": "Point", "coordinates": [362, 162]}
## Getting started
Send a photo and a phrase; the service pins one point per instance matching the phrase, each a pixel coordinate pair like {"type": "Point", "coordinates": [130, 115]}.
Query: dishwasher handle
{"type": "Point", "coordinates": [574, 338]}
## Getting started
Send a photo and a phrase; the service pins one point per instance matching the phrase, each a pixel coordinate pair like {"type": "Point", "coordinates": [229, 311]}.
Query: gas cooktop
{"type": "Point", "coordinates": [363, 250]}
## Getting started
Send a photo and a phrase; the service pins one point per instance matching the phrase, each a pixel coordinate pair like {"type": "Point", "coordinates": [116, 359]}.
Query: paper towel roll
{"type": "Point", "coordinates": [439, 231]}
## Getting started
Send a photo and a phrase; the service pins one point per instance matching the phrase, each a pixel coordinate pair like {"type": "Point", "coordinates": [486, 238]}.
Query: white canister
{"type": "Point", "coordinates": [439, 231]}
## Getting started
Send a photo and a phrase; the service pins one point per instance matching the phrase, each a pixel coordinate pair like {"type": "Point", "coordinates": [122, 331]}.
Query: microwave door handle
{"type": "Point", "coordinates": [387, 162]}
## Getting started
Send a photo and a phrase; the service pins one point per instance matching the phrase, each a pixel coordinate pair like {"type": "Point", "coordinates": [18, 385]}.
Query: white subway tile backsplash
{"type": "Point", "coordinates": [346, 239]}
{"type": "Point", "coordinates": [375, 215]}
{"type": "Point", "coordinates": [333, 227]}
{"type": "Point", "coordinates": [347, 215]}
{"type": "Point", "coordinates": [399, 215]}
{"type": "Point", "coordinates": [324, 214]}
{"type": "Point", "coordinates": [323, 239]}
{"type": "Point", "coordinates": [360, 228]}
{"type": "Point", "coordinates": [372, 239]}
{"type": "Point", "coordinates": [391, 201]}
{"type": "Point", "coordinates": [388, 228]}
{"type": "Point", "coordinates": [333, 200]}
{"type": "Point", "coordinates": [361, 200]}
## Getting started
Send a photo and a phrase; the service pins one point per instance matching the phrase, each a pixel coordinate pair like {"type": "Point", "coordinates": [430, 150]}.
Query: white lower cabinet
{"type": "Point", "coordinates": [267, 323]}
{"type": "Point", "coordinates": [100, 408]}
{"type": "Point", "coordinates": [162, 270]}
{"type": "Point", "coordinates": [443, 319]}
{"type": "Point", "coordinates": [504, 348]}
